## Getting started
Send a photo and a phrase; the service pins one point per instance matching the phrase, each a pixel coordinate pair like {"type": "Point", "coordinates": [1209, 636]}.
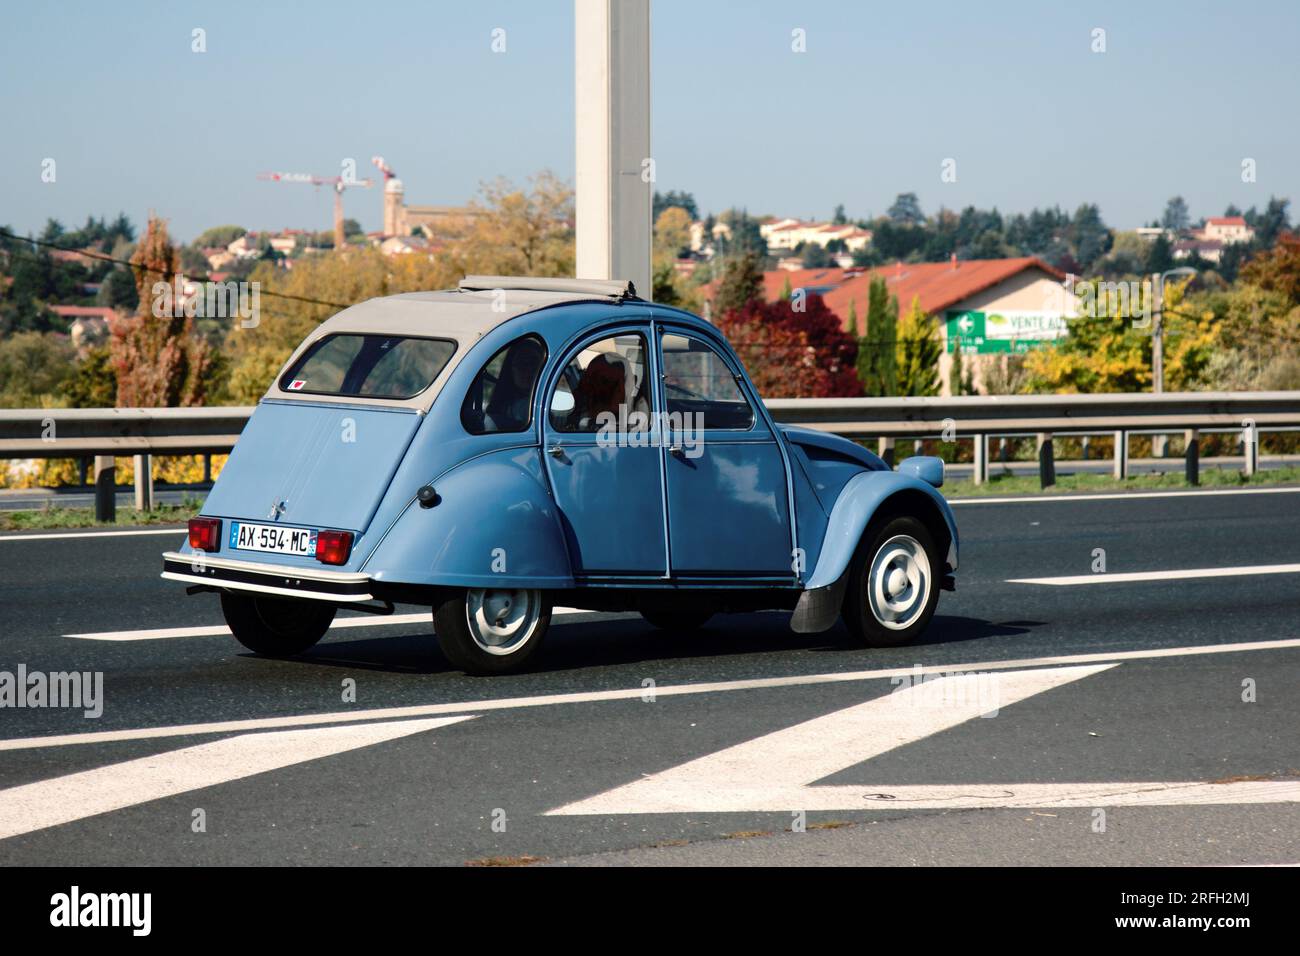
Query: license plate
{"type": "Point", "coordinates": [269, 537]}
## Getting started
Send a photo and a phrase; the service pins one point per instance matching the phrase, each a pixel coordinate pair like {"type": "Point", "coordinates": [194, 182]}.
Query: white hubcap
{"type": "Point", "coordinates": [898, 586]}
{"type": "Point", "coordinates": [501, 622]}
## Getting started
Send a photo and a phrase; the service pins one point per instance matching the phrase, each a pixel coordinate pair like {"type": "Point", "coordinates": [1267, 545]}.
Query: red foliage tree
{"type": "Point", "coordinates": [791, 353]}
{"type": "Point", "coordinates": [159, 360]}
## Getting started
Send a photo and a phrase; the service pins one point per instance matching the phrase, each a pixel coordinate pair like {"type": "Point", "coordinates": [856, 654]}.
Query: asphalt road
{"type": "Point", "coordinates": [1108, 696]}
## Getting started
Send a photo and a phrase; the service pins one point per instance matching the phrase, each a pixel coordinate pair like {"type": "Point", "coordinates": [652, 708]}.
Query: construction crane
{"type": "Point", "coordinates": [383, 168]}
{"type": "Point", "coordinates": [338, 183]}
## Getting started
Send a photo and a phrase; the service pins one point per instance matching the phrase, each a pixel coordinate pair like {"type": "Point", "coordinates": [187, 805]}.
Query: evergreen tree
{"type": "Point", "coordinates": [918, 353]}
{"type": "Point", "coordinates": [877, 369]}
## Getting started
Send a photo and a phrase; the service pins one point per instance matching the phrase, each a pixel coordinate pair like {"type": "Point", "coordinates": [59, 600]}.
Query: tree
{"type": "Point", "coordinates": [793, 354]}
{"type": "Point", "coordinates": [1277, 269]}
{"type": "Point", "coordinates": [682, 200]}
{"type": "Point", "coordinates": [221, 236]}
{"type": "Point", "coordinates": [877, 350]}
{"type": "Point", "coordinates": [816, 256]}
{"type": "Point", "coordinates": [742, 283]}
{"type": "Point", "coordinates": [158, 360]}
{"type": "Point", "coordinates": [520, 231]}
{"type": "Point", "coordinates": [32, 367]}
{"type": "Point", "coordinates": [1159, 255]}
{"type": "Point", "coordinates": [839, 218]}
{"type": "Point", "coordinates": [672, 232]}
{"type": "Point", "coordinates": [918, 352]}
{"type": "Point", "coordinates": [906, 210]}
{"type": "Point", "coordinates": [1176, 216]}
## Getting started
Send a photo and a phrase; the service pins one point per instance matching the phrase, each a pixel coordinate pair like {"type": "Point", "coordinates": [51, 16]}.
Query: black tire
{"type": "Point", "coordinates": [860, 613]}
{"type": "Point", "coordinates": [275, 627]}
{"type": "Point", "coordinates": [677, 620]}
{"type": "Point", "coordinates": [454, 622]}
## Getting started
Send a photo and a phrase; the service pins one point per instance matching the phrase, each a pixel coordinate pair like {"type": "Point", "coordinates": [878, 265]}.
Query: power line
{"type": "Point", "coordinates": [168, 273]}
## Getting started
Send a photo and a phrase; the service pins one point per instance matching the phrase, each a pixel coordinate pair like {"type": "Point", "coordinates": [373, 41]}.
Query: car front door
{"type": "Point", "coordinates": [728, 505]}
{"type": "Point", "coordinates": [603, 458]}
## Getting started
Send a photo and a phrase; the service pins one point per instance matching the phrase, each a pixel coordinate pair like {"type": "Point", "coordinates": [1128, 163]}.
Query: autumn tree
{"type": "Point", "coordinates": [514, 231]}
{"type": "Point", "coordinates": [156, 356]}
{"type": "Point", "coordinates": [742, 283]}
{"type": "Point", "coordinates": [793, 351]}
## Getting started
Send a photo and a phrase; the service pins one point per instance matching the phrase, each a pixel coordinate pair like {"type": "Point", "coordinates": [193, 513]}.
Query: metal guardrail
{"type": "Point", "coordinates": [143, 432]}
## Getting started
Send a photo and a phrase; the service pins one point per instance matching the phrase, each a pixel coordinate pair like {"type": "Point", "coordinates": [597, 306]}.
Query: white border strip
{"type": "Point", "coordinates": [630, 693]}
{"type": "Point", "coordinates": [1172, 575]}
{"type": "Point", "coordinates": [176, 530]}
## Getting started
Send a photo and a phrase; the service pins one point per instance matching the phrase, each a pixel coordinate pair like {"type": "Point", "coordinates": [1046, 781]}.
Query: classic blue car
{"type": "Point", "coordinates": [519, 444]}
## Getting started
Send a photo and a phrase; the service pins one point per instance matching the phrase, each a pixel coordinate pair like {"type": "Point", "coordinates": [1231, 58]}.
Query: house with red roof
{"type": "Point", "coordinates": [985, 307]}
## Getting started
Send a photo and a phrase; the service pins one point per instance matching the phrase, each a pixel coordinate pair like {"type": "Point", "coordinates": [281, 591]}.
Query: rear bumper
{"type": "Point", "coordinates": [316, 584]}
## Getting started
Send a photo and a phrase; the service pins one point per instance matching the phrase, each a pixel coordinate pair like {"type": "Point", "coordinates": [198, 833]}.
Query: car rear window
{"type": "Point", "coordinates": [369, 366]}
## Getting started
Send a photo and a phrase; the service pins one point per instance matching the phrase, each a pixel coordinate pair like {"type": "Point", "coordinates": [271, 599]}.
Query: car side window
{"type": "Point", "coordinates": [500, 399]}
{"type": "Point", "coordinates": [603, 388]}
{"type": "Point", "coordinates": [697, 382]}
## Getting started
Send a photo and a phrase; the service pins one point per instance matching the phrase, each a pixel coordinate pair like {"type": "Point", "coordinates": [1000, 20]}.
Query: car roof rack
{"type": "Point", "coordinates": [617, 289]}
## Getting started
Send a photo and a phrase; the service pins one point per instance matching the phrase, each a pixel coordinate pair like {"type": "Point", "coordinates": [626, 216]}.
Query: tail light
{"type": "Point", "coordinates": [205, 534]}
{"type": "Point", "coordinates": [333, 547]}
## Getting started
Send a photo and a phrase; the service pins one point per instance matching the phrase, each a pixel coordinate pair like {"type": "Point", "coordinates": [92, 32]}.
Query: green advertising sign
{"type": "Point", "coordinates": [1010, 330]}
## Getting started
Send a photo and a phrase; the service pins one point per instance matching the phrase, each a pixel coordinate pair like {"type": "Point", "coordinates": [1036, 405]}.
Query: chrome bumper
{"type": "Point", "coordinates": [315, 584]}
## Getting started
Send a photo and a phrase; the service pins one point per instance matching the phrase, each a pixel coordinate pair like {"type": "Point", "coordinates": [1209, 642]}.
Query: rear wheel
{"type": "Point", "coordinates": [491, 631]}
{"type": "Point", "coordinates": [893, 585]}
{"type": "Point", "coordinates": [677, 620]}
{"type": "Point", "coordinates": [275, 627]}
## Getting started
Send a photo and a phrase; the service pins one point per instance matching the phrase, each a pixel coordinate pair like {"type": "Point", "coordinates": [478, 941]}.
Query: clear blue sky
{"type": "Point", "coordinates": [884, 93]}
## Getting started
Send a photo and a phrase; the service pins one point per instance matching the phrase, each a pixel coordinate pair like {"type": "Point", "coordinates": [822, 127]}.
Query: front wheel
{"type": "Point", "coordinates": [893, 584]}
{"type": "Point", "coordinates": [275, 627]}
{"type": "Point", "coordinates": [491, 631]}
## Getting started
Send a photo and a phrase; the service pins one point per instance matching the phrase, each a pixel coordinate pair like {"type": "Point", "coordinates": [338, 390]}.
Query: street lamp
{"type": "Point", "coordinates": [1157, 330]}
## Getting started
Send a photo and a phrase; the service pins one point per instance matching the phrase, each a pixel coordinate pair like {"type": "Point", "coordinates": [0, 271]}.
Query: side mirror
{"type": "Point", "coordinates": [926, 467]}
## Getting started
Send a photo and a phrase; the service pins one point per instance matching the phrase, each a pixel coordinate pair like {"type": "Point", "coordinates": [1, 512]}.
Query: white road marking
{"type": "Point", "coordinates": [48, 803]}
{"type": "Point", "coordinates": [178, 531]}
{"type": "Point", "coordinates": [631, 693]}
{"type": "Point", "coordinates": [214, 630]}
{"type": "Point", "coordinates": [776, 772]}
{"type": "Point", "coordinates": [1173, 575]}
{"type": "Point", "coordinates": [1124, 496]}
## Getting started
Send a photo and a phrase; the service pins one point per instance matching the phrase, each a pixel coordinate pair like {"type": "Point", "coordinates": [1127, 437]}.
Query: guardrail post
{"type": "Point", "coordinates": [886, 447]}
{"type": "Point", "coordinates": [1159, 446]}
{"type": "Point", "coordinates": [143, 482]}
{"type": "Point", "coordinates": [1192, 440]}
{"type": "Point", "coordinates": [981, 459]}
{"type": "Point", "coordinates": [1083, 446]}
{"type": "Point", "coordinates": [105, 488]}
{"type": "Point", "coordinates": [1121, 455]}
{"type": "Point", "coordinates": [1250, 448]}
{"type": "Point", "coordinates": [207, 469]}
{"type": "Point", "coordinates": [1046, 461]}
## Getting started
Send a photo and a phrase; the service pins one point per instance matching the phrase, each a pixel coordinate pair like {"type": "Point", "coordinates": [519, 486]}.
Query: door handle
{"type": "Point", "coordinates": [676, 451]}
{"type": "Point", "coordinates": [556, 452]}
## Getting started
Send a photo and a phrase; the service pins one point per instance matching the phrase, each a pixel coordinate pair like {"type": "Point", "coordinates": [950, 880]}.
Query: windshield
{"type": "Point", "coordinates": [369, 366]}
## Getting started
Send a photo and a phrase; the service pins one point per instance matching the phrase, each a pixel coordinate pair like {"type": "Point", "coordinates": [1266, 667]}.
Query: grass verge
{"type": "Point", "coordinates": [46, 518]}
{"type": "Point", "coordinates": [1008, 484]}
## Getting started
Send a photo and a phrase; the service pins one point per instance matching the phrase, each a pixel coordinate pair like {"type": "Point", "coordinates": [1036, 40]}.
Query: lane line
{"type": "Point", "coordinates": [48, 803]}
{"type": "Point", "coordinates": [215, 630]}
{"type": "Point", "coordinates": [178, 530]}
{"type": "Point", "coordinates": [1175, 575]}
{"type": "Point", "coordinates": [1123, 495]}
{"type": "Point", "coordinates": [631, 693]}
{"type": "Point", "coordinates": [766, 772]}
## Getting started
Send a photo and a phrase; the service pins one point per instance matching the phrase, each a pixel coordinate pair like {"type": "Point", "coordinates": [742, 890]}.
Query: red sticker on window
{"type": "Point", "coordinates": [297, 384]}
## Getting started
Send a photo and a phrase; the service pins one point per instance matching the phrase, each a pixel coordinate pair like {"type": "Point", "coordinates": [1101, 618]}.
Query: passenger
{"type": "Point", "coordinates": [507, 409]}
{"type": "Point", "coordinates": [600, 390]}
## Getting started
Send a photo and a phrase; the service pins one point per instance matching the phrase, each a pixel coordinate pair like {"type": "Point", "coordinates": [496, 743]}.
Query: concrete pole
{"type": "Point", "coordinates": [614, 168]}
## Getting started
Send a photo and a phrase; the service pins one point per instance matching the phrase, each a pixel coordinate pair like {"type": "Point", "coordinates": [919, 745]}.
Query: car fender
{"type": "Point", "coordinates": [858, 502]}
{"type": "Point", "coordinates": [493, 524]}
